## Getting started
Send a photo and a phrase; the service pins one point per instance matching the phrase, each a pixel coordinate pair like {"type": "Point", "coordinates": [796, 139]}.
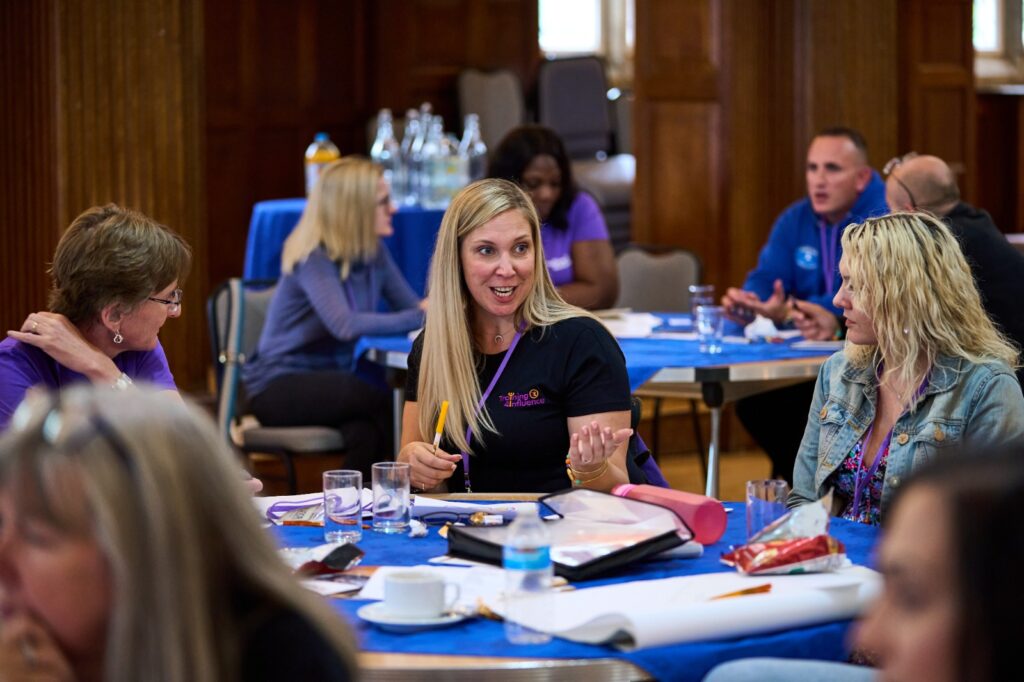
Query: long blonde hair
{"type": "Point", "coordinates": [449, 361]}
{"type": "Point", "coordinates": [149, 479]}
{"type": "Point", "coordinates": [910, 276]}
{"type": "Point", "coordinates": [340, 215]}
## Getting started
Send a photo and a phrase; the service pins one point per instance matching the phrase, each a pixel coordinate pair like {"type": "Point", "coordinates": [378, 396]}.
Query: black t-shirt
{"type": "Point", "coordinates": [281, 644]}
{"type": "Point", "coordinates": [569, 369]}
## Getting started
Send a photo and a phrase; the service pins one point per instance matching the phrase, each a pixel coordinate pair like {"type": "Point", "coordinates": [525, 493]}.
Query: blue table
{"type": "Point", "coordinates": [671, 368]}
{"type": "Point", "coordinates": [480, 637]}
{"type": "Point", "coordinates": [272, 221]}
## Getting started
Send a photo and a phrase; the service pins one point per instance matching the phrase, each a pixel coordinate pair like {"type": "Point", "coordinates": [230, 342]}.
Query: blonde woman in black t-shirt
{"type": "Point", "coordinates": [537, 388]}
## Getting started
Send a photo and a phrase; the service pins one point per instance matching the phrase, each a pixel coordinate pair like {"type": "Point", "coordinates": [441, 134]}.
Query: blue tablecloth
{"type": "Point", "coordinates": [480, 637]}
{"type": "Point", "coordinates": [644, 357]}
{"type": "Point", "coordinates": [411, 245]}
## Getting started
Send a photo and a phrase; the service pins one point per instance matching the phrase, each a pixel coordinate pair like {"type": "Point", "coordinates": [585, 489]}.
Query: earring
{"type": "Point", "coordinates": [117, 336]}
{"type": "Point", "coordinates": [905, 331]}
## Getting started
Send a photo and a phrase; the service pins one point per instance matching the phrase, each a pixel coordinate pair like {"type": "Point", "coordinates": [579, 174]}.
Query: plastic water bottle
{"type": "Point", "coordinates": [473, 149]}
{"type": "Point", "coordinates": [318, 155]}
{"type": "Point", "coordinates": [527, 562]}
{"type": "Point", "coordinates": [385, 149]}
{"type": "Point", "coordinates": [408, 192]}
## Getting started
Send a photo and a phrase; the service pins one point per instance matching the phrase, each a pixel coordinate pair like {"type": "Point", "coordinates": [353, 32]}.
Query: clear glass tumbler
{"type": "Point", "coordinates": [766, 501]}
{"type": "Point", "coordinates": [343, 506]}
{"type": "Point", "coordinates": [391, 506]}
{"type": "Point", "coordinates": [710, 323]}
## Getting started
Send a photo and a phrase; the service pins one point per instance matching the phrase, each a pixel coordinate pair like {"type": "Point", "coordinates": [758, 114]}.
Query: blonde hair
{"type": "Point", "coordinates": [449, 361]}
{"type": "Point", "coordinates": [341, 216]}
{"type": "Point", "coordinates": [910, 277]}
{"type": "Point", "coordinates": [152, 482]}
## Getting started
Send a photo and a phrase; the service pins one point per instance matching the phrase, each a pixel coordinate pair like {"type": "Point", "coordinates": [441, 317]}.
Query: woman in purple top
{"type": "Point", "coordinates": [116, 278]}
{"type": "Point", "coordinates": [336, 273]}
{"type": "Point", "coordinates": [577, 251]}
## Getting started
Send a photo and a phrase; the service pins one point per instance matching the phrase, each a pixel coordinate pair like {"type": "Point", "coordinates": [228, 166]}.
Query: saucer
{"type": "Point", "coordinates": [378, 615]}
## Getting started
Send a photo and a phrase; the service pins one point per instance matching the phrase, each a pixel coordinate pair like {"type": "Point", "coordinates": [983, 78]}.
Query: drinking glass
{"type": "Point", "coordinates": [391, 497]}
{"type": "Point", "coordinates": [766, 501]}
{"type": "Point", "coordinates": [701, 294]}
{"type": "Point", "coordinates": [710, 323]}
{"type": "Point", "coordinates": [343, 506]}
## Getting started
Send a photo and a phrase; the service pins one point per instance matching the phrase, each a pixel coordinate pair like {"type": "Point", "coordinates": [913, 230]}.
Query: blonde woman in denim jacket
{"type": "Point", "coordinates": [924, 369]}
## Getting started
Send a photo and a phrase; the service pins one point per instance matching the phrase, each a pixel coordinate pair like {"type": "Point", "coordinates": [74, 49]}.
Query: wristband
{"type": "Point", "coordinates": [123, 383]}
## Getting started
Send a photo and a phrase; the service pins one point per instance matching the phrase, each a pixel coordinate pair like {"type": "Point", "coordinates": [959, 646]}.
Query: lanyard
{"type": "Point", "coordinates": [829, 251]}
{"type": "Point", "coordinates": [862, 477]}
{"type": "Point", "coordinates": [480, 406]}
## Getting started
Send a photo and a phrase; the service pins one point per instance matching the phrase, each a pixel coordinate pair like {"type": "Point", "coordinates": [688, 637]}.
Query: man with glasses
{"type": "Point", "coordinates": [798, 270]}
{"type": "Point", "coordinates": [927, 183]}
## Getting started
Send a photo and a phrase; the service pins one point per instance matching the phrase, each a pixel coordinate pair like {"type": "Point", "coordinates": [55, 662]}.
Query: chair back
{"type": "Point", "coordinates": [496, 97]}
{"type": "Point", "coordinates": [236, 311]}
{"type": "Point", "coordinates": [657, 281]}
{"type": "Point", "coordinates": [572, 99]}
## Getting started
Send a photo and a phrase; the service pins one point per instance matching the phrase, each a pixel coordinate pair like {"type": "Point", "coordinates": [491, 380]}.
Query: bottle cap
{"type": "Point", "coordinates": [321, 137]}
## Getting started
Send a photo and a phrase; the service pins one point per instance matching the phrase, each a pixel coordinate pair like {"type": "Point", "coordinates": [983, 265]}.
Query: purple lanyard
{"type": "Point", "coordinates": [480, 406]}
{"type": "Point", "coordinates": [829, 250]}
{"type": "Point", "coordinates": [862, 477]}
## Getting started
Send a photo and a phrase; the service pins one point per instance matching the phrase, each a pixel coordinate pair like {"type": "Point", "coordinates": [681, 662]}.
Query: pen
{"type": "Point", "coordinates": [440, 424]}
{"type": "Point", "coordinates": [757, 589]}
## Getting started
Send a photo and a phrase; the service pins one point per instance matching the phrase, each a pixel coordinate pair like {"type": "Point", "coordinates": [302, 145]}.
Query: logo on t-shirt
{"type": "Point", "coordinates": [807, 258]}
{"type": "Point", "coordinates": [528, 399]}
{"type": "Point", "coordinates": [560, 262]}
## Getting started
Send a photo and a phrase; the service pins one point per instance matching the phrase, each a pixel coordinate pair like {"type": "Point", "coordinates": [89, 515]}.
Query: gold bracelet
{"type": "Point", "coordinates": [576, 476]}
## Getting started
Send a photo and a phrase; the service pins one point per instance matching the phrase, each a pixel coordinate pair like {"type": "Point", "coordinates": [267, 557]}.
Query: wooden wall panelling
{"type": "Point", "coordinates": [128, 112]}
{"type": "Point", "coordinates": [936, 59]}
{"type": "Point", "coordinates": [999, 153]}
{"type": "Point", "coordinates": [678, 130]}
{"type": "Point", "coordinates": [29, 177]}
{"type": "Point", "coordinates": [101, 105]}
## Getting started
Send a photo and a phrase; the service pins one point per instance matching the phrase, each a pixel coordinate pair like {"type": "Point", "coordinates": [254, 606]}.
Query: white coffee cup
{"type": "Point", "coordinates": [418, 595]}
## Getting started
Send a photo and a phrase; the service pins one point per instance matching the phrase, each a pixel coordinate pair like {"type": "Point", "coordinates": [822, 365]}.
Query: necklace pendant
{"type": "Point", "coordinates": [498, 339]}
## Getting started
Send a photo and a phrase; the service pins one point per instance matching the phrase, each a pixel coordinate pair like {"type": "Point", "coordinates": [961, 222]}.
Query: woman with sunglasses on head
{"type": "Point", "coordinates": [577, 250]}
{"type": "Point", "coordinates": [116, 279]}
{"type": "Point", "coordinates": [924, 369]}
{"type": "Point", "coordinates": [336, 273]}
{"type": "Point", "coordinates": [128, 551]}
{"type": "Point", "coordinates": [951, 605]}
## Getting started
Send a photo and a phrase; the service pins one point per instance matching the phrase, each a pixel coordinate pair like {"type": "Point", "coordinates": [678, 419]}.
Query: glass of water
{"type": "Point", "coordinates": [343, 506]}
{"type": "Point", "coordinates": [391, 497]}
{"type": "Point", "coordinates": [701, 294]}
{"type": "Point", "coordinates": [710, 323]}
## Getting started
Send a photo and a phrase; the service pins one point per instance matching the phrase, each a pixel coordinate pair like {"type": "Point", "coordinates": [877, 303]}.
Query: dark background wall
{"type": "Point", "coordinates": [192, 110]}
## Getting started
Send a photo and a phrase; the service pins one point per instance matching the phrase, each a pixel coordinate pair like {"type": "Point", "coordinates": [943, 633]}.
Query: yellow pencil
{"type": "Point", "coordinates": [440, 424]}
{"type": "Point", "coordinates": [760, 589]}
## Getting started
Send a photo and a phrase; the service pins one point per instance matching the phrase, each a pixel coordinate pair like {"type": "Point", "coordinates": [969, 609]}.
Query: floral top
{"type": "Point", "coordinates": [844, 479]}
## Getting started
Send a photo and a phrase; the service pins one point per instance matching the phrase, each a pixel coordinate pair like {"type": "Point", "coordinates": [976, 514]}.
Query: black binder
{"type": "Point", "coordinates": [592, 533]}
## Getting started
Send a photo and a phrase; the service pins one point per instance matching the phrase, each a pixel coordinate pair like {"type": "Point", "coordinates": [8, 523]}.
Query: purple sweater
{"type": "Point", "coordinates": [23, 366]}
{"type": "Point", "coordinates": [585, 223]}
{"type": "Point", "coordinates": [315, 319]}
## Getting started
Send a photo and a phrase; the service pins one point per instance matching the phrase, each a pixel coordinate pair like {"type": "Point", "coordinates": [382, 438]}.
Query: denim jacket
{"type": "Point", "coordinates": [966, 406]}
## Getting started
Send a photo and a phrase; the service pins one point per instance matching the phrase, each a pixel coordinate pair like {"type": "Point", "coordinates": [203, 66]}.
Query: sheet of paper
{"type": "Point", "coordinates": [674, 610]}
{"type": "Point", "coordinates": [633, 325]}
{"type": "Point", "coordinates": [329, 587]}
{"type": "Point", "coordinates": [427, 505]}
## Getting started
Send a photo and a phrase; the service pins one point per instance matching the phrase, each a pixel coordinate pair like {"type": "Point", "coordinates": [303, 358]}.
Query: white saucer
{"type": "Point", "coordinates": [378, 615]}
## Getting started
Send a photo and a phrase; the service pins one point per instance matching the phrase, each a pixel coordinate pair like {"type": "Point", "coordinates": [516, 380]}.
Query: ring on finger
{"type": "Point", "coordinates": [35, 326]}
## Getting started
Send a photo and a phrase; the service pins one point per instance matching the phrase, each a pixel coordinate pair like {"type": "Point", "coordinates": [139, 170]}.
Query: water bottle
{"type": "Point", "coordinates": [473, 149]}
{"type": "Point", "coordinates": [385, 150]}
{"type": "Point", "coordinates": [408, 192]}
{"type": "Point", "coordinates": [434, 162]}
{"type": "Point", "coordinates": [527, 561]}
{"type": "Point", "coordinates": [318, 155]}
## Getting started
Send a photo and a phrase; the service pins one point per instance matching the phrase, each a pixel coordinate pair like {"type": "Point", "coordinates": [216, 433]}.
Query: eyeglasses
{"type": "Point", "coordinates": [173, 304]}
{"type": "Point", "coordinates": [890, 168]}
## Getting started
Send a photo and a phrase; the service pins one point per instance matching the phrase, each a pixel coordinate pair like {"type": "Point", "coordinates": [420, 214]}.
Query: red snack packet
{"type": "Point", "coordinates": [780, 557]}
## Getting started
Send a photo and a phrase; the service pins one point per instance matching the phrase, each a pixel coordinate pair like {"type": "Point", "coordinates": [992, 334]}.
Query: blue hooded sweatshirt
{"type": "Point", "coordinates": [793, 252]}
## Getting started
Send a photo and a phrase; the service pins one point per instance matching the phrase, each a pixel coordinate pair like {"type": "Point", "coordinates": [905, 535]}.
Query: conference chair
{"type": "Point", "coordinates": [572, 98]}
{"type": "Point", "coordinates": [496, 97]}
{"type": "Point", "coordinates": [658, 279]}
{"type": "Point", "coordinates": [236, 311]}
